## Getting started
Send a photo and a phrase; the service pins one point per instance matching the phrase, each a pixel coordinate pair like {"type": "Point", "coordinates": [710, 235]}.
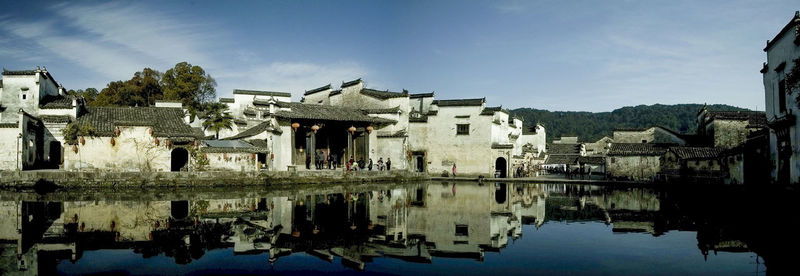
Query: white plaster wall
{"type": "Point", "coordinates": [472, 153]}
{"type": "Point", "coordinates": [8, 144]}
{"type": "Point", "coordinates": [135, 150]}
{"type": "Point", "coordinates": [784, 50]}
{"type": "Point", "coordinates": [393, 148]}
{"type": "Point", "coordinates": [636, 167]}
{"type": "Point", "coordinates": [238, 161]}
{"type": "Point", "coordinates": [12, 96]}
{"type": "Point", "coordinates": [634, 136]}
{"type": "Point", "coordinates": [9, 211]}
{"type": "Point", "coordinates": [282, 146]}
{"type": "Point", "coordinates": [320, 97]}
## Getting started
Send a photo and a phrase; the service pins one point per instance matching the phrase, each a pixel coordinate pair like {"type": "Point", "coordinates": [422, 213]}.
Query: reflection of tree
{"type": "Point", "coordinates": [173, 242]}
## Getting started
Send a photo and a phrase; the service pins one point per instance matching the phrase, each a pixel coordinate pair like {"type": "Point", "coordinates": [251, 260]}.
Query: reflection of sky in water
{"type": "Point", "coordinates": [553, 249]}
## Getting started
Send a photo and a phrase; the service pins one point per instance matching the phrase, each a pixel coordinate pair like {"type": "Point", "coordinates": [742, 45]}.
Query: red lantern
{"type": "Point", "coordinates": [113, 141]}
{"type": "Point", "coordinates": [315, 128]}
{"type": "Point", "coordinates": [83, 141]}
{"type": "Point", "coordinates": [168, 143]}
{"type": "Point", "coordinates": [75, 148]}
{"type": "Point", "coordinates": [254, 156]}
{"type": "Point", "coordinates": [352, 129]}
{"type": "Point", "coordinates": [196, 143]}
{"type": "Point", "coordinates": [369, 129]}
{"type": "Point", "coordinates": [116, 131]}
{"type": "Point", "coordinates": [295, 126]}
{"type": "Point", "coordinates": [157, 142]}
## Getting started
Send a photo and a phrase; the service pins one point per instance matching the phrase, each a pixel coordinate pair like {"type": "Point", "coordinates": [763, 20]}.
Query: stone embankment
{"type": "Point", "coordinates": [65, 179]}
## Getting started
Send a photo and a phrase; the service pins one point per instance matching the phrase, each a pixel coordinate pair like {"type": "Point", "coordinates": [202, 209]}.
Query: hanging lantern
{"type": "Point", "coordinates": [157, 142]}
{"type": "Point", "coordinates": [295, 125]}
{"type": "Point", "coordinates": [369, 129]}
{"type": "Point", "coordinates": [352, 129]}
{"type": "Point", "coordinates": [168, 143]}
{"type": "Point", "coordinates": [225, 156]}
{"type": "Point", "coordinates": [113, 141]}
{"type": "Point", "coordinates": [196, 143]}
{"type": "Point", "coordinates": [315, 128]}
{"type": "Point", "coordinates": [150, 130]}
{"type": "Point", "coordinates": [116, 131]}
{"type": "Point", "coordinates": [75, 148]}
{"type": "Point", "coordinates": [83, 141]}
{"type": "Point", "coordinates": [253, 156]}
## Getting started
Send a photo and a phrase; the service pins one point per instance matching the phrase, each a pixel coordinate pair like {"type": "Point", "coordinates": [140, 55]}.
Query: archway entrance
{"type": "Point", "coordinates": [180, 157]}
{"type": "Point", "coordinates": [500, 167]}
{"type": "Point", "coordinates": [420, 164]}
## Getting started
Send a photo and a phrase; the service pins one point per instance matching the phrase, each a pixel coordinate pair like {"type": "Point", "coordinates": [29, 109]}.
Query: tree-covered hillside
{"type": "Point", "coordinates": [589, 126]}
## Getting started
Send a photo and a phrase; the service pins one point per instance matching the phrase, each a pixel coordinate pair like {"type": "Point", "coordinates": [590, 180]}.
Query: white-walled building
{"type": "Point", "coordinates": [780, 74]}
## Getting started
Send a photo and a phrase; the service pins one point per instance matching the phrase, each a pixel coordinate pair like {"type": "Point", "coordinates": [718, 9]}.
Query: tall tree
{"type": "Point", "coordinates": [189, 84]}
{"type": "Point", "coordinates": [90, 94]}
{"type": "Point", "coordinates": [217, 118]}
{"type": "Point", "coordinates": [143, 89]}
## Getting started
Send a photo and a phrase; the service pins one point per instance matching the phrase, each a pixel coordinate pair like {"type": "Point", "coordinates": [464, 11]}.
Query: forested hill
{"type": "Point", "coordinates": [589, 126]}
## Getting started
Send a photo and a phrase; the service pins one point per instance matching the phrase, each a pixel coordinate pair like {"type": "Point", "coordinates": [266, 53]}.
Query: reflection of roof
{"type": "Point", "coordinates": [636, 149]}
{"type": "Point", "coordinates": [697, 152]}
{"type": "Point", "coordinates": [460, 102]}
{"type": "Point", "coordinates": [383, 95]}
{"type": "Point", "coordinates": [166, 121]}
{"type": "Point", "coordinates": [258, 129]}
{"type": "Point", "coordinates": [326, 112]}
{"type": "Point", "coordinates": [261, 93]}
{"type": "Point", "coordinates": [55, 102]}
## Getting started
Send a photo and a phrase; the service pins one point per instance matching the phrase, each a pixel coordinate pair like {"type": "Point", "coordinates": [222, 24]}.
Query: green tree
{"type": "Point", "coordinates": [90, 94]}
{"type": "Point", "coordinates": [217, 118]}
{"type": "Point", "coordinates": [143, 89]}
{"type": "Point", "coordinates": [189, 84]}
{"type": "Point", "coordinates": [74, 129]}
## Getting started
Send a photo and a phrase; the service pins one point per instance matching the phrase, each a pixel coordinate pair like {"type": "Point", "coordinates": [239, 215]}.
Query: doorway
{"type": "Point", "coordinates": [500, 167]}
{"type": "Point", "coordinates": [180, 157]}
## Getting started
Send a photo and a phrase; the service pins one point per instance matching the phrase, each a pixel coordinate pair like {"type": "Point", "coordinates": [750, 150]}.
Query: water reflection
{"type": "Point", "coordinates": [354, 224]}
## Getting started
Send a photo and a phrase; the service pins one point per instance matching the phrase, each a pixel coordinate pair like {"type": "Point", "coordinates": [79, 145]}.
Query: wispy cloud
{"type": "Point", "coordinates": [293, 77]}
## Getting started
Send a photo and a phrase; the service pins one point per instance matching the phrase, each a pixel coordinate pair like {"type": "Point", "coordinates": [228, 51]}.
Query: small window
{"type": "Point", "coordinates": [24, 96]}
{"type": "Point", "coordinates": [462, 230]}
{"type": "Point", "coordinates": [462, 129]}
{"type": "Point", "coordinates": [613, 159]}
{"type": "Point", "coordinates": [782, 96]}
{"type": "Point", "coordinates": [644, 141]}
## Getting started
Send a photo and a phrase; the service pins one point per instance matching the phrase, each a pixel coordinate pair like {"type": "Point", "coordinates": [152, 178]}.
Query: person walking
{"type": "Point", "coordinates": [369, 166]}
{"type": "Point", "coordinates": [388, 163]}
{"type": "Point", "coordinates": [454, 169]}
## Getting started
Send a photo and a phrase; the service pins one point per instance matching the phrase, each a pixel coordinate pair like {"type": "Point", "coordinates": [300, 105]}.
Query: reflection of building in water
{"type": "Point", "coordinates": [414, 223]}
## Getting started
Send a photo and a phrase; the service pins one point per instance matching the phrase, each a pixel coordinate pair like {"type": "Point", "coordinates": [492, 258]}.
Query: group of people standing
{"type": "Point", "coordinates": [361, 165]}
{"type": "Point", "coordinates": [331, 162]}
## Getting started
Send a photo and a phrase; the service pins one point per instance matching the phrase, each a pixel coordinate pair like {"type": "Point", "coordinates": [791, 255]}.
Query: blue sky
{"type": "Point", "coordinates": [556, 55]}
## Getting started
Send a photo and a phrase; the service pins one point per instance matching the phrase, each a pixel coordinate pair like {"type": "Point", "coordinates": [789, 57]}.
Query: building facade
{"type": "Point", "coordinates": [780, 74]}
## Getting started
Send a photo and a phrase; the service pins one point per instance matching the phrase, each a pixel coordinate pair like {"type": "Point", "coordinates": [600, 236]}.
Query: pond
{"type": "Point", "coordinates": [410, 228]}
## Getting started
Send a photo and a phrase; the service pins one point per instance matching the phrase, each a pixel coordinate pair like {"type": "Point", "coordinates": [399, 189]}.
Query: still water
{"type": "Point", "coordinates": [418, 228]}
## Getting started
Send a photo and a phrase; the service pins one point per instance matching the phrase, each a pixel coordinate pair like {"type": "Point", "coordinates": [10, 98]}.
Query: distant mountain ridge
{"type": "Point", "coordinates": [590, 126]}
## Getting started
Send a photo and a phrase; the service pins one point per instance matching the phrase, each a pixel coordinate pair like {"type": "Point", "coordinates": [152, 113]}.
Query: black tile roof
{"type": "Point", "coordinates": [18, 72]}
{"type": "Point", "coordinates": [460, 102]}
{"type": "Point", "coordinates": [261, 93]}
{"type": "Point", "coordinates": [398, 134]}
{"type": "Point", "coordinates": [258, 143]}
{"type": "Point", "coordinates": [392, 110]}
{"type": "Point", "coordinates": [258, 129]}
{"type": "Point", "coordinates": [319, 89]}
{"type": "Point", "coordinates": [335, 92]}
{"type": "Point", "coordinates": [563, 149]}
{"type": "Point", "coordinates": [737, 115]}
{"type": "Point", "coordinates": [421, 95]}
{"type": "Point", "coordinates": [502, 146]}
{"type": "Point", "coordinates": [636, 149]}
{"type": "Point", "coordinates": [166, 121]}
{"type": "Point", "coordinates": [9, 125]}
{"type": "Point", "coordinates": [56, 118]}
{"type": "Point", "coordinates": [326, 112]}
{"type": "Point", "coordinates": [383, 95]}
{"type": "Point", "coordinates": [562, 159]}
{"type": "Point", "coordinates": [594, 160]}
{"type": "Point", "coordinates": [492, 110]}
{"type": "Point", "coordinates": [226, 100]}
{"type": "Point", "coordinates": [697, 152]}
{"type": "Point", "coordinates": [56, 102]}
{"type": "Point", "coordinates": [351, 83]}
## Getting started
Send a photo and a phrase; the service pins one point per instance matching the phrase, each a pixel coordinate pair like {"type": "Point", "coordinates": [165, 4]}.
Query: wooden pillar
{"type": "Point", "coordinates": [312, 149]}
{"type": "Point", "coordinates": [349, 146]}
{"type": "Point", "coordinates": [294, 147]}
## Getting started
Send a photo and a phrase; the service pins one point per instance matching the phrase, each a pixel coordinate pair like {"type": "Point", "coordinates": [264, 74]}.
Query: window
{"type": "Point", "coordinates": [644, 141]}
{"type": "Point", "coordinates": [462, 230]}
{"type": "Point", "coordinates": [462, 129]}
{"type": "Point", "coordinates": [782, 96]}
{"type": "Point", "coordinates": [24, 96]}
{"type": "Point", "coordinates": [613, 159]}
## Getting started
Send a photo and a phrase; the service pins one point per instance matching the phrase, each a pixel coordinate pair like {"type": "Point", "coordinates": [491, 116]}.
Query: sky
{"type": "Point", "coordinates": [556, 55]}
